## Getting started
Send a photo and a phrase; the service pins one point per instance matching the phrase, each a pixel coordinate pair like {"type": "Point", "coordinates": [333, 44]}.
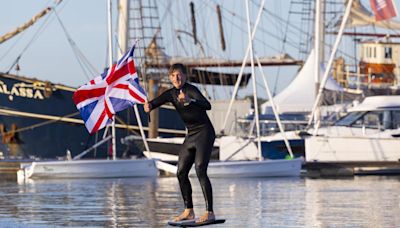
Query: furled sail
{"type": "Point", "coordinates": [157, 58]}
{"type": "Point", "coordinates": [23, 27]}
{"type": "Point", "coordinates": [216, 78]}
{"type": "Point", "coordinates": [361, 16]}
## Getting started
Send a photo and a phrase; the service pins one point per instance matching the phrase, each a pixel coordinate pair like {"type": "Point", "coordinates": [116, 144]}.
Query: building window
{"type": "Point", "coordinates": [388, 52]}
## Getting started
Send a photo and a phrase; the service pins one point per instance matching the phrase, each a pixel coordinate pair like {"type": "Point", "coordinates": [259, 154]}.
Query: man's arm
{"type": "Point", "coordinates": [199, 100]}
{"type": "Point", "coordinates": [157, 102]}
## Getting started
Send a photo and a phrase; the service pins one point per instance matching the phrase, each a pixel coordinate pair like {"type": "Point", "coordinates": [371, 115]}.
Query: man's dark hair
{"type": "Point", "coordinates": [177, 66]}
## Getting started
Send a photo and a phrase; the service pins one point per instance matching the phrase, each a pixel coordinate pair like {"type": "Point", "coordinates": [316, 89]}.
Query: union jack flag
{"type": "Point", "coordinates": [116, 89]}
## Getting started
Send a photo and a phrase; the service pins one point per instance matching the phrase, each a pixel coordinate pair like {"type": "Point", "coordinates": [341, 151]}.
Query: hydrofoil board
{"type": "Point", "coordinates": [193, 223]}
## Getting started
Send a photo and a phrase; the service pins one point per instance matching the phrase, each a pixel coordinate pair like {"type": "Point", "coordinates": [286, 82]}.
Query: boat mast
{"type": "Point", "coordinates": [144, 25]}
{"type": "Point", "coordinates": [110, 63]}
{"type": "Point", "coordinates": [317, 44]}
{"type": "Point", "coordinates": [123, 22]}
{"type": "Point", "coordinates": [254, 83]}
{"type": "Point", "coordinates": [330, 62]}
{"type": "Point", "coordinates": [239, 78]}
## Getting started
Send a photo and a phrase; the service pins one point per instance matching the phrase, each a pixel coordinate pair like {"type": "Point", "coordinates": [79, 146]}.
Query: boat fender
{"type": "Point", "coordinates": [9, 136]}
{"type": "Point", "coordinates": [48, 89]}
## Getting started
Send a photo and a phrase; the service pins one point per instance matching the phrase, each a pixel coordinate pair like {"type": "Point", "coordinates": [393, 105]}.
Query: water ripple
{"type": "Point", "coordinates": [253, 202]}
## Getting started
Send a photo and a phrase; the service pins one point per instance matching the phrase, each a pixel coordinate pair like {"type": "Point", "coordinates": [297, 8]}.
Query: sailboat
{"type": "Point", "coordinates": [205, 71]}
{"type": "Point", "coordinates": [373, 126]}
{"type": "Point", "coordinates": [259, 167]}
{"type": "Point", "coordinates": [370, 76]}
{"type": "Point", "coordinates": [363, 140]}
{"type": "Point", "coordinates": [332, 146]}
{"type": "Point", "coordinates": [157, 59]}
{"type": "Point", "coordinates": [38, 120]}
{"type": "Point", "coordinates": [97, 168]}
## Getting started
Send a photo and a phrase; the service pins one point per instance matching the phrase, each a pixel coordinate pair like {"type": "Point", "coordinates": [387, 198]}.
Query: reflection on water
{"type": "Point", "coordinates": [277, 202]}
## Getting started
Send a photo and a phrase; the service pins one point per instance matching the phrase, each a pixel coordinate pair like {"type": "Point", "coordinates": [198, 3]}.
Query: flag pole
{"type": "Point", "coordinates": [145, 84]}
{"type": "Point", "coordinates": [110, 60]}
{"type": "Point", "coordinates": [138, 119]}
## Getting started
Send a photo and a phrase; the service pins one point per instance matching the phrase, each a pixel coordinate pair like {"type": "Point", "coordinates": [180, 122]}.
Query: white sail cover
{"type": "Point", "coordinates": [299, 95]}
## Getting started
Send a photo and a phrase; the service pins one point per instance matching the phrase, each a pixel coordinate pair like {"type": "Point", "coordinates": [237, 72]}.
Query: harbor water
{"type": "Point", "coordinates": [360, 201]}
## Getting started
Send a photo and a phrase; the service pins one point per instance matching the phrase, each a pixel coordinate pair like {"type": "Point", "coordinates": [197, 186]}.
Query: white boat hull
{"type": "Point", "coordinates": [90, 169]}
{"type": "Point", "coordinates": [161, 156]}
{"type": "Point", "coordinates": [348, 148]}
{"type": "Point", "coordinates": [266, 168]}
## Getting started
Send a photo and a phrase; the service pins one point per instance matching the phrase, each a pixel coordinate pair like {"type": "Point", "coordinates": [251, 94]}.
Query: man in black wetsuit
{"type": "Point", "coordinates": [191, 106]}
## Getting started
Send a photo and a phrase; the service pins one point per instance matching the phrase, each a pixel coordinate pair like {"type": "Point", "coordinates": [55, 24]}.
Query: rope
{"type": "Point", "coordinates": [31, 127]}
{"type": "Point", "coordinates": [283, 48]}
{"type": "Point", "coordinates": [78, 54]}
{"type": "Point", "coordinates": [126, 125]}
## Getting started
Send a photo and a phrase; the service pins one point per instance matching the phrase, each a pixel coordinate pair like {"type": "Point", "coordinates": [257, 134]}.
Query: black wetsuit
{"type": "Point", "coordinates": [198, 142]}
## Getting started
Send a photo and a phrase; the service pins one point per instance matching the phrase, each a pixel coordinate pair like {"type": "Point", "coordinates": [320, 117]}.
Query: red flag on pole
{"type": "Point", "coordinates": [383, 9]}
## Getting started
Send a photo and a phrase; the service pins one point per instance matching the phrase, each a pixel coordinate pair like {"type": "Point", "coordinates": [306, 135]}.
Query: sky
{"type": "Point", "coordinates": [50, 57]}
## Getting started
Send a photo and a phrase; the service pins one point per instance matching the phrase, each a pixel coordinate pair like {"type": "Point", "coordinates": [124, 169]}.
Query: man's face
{"type": "Point", "coordinates": [177, 79]}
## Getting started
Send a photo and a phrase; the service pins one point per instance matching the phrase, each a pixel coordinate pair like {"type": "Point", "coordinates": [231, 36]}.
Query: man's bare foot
{"type": "Point", "coordinates": [208, 216]}
{"type": "Point", "coordinates": [187, 214]}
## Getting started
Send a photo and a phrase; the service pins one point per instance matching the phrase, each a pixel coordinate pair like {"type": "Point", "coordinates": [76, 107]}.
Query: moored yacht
{"type": "Point", "coordinates": [370, 132]}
